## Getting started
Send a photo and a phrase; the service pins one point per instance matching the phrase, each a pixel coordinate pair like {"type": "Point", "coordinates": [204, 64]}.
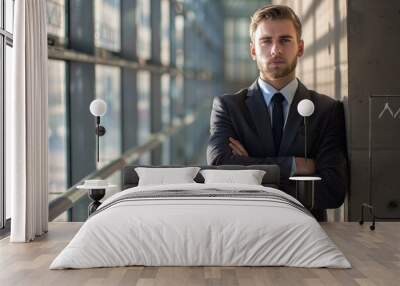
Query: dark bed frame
{"type": "Point", "coordinates": [271, 178]}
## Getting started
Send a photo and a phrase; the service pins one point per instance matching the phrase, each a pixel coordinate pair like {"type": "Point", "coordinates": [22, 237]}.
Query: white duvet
{"type": "Point", "coordinates": [200, 231]}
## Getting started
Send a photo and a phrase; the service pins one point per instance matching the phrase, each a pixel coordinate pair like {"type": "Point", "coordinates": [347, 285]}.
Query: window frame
{"type": "Point", "coordinates": [6, 39]}
{"type": "Point", "coordinates": [55, 40]}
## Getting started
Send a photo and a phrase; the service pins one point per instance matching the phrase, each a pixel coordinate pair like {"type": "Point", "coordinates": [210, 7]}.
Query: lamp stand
{"type": "Point", "coordinates": [100, 131]}
{"type": "Point", "coordinates": [96, 195]}
{"type": "Point", "coordinates": [305, 138]}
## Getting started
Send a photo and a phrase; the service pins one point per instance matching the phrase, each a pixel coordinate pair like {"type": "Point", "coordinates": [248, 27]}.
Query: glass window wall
{"type": "Point", "coordinates": [165, 116]}
{"type": "Point", "coordinates": [108, 24]}
{"type": "Point", "coordinates": [56, 18]}
{"type": "Point", "coordinates": [143, 109]}
{"type": "Point", "coordinates": [9, 9]}
{"type": "Point", "coordinates": [97, 27]}
{"type": "Point", "coordinates": [165, 29]}
{"type": "Point", "coordinates": [238, 63]}
{"type": "Point", "coordinates": [108, 88]}
{"type": "Point", "coordinates": [143, 46]}
{"type": "Point", "coordinates": [179, 25]}
{"type": "Point", "coordinates": [57, 131]}
{"type": "Point", "coordinates": [9, 62]}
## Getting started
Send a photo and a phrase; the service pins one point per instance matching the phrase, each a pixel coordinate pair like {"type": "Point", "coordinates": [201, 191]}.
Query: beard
{"type": "Point", "coordinates": [275, 72]}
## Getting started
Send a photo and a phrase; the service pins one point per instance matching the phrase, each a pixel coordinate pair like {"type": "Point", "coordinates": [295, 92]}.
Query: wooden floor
{"type": "Point", "coordinates": [375, 256]}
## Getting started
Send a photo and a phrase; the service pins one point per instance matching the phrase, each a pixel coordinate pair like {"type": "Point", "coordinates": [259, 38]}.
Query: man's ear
{"type": "Point", "coordinates": [253, 50]}
{"type": "Point", "coordinates": [301, 48]}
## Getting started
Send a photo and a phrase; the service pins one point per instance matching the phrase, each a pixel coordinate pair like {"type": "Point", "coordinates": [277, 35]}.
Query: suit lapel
{"type": "Point", "coordinates": [294, 119]}
{"type": "Point", "coordinates": [260, 116]}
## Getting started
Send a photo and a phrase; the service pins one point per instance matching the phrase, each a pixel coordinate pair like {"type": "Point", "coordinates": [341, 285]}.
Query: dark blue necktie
{"type": "Point", "coordinates": [277, 120]}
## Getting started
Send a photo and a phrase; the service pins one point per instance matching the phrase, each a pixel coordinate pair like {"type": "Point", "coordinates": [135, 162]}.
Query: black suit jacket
{"type": "Point", "coordinates": [245, 117]}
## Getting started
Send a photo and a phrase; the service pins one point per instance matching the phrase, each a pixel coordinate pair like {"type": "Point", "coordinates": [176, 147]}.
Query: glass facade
{"type": "Point", "coordinates": [238, 64]}
{"type": "Point", "coordinates": [8, 68]}
{"type": "Point", "coordinates": [108, 88]}
{"type": "Point", "coordinates": [143, 110]}
{"type": "Point", "coordinates": [179, 35]}
{"type": "Point", "coordinates": [9, 13]}
{"type": "Point", "coordinates": [165, 101]}
{"type": "Point", "coordinates": [143, 47]}
{"type": "Point", "coordinates": [165, 32]}
{"type": "Point", "coordinates": [57, 132]}
{"type": "Point", "coordinates": [166, 116]}
{"type": "Point", "coordinates": [56, 18]}
{"type": "Point", "coordinates": [107, 33]}
{"type": "Point", "coordinates": [177, 106]}
{"type": "Point", "coordinates": [104, 49]}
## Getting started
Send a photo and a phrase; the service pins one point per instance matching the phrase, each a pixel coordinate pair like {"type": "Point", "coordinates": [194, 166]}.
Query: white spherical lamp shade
{"type": "Point", "coordinates": [305, 107]}
{"type": "Point", "coordinates": [98, 107]}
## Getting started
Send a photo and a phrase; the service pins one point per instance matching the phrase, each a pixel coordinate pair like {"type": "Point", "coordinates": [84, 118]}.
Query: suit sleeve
{"type": "Point", "coordinates": [218, 150]}
{"type": "Point", "coordinates": [331, 162]}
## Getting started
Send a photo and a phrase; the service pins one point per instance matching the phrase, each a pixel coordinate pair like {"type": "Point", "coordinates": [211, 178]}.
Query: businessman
{"type": "Point", "coordinates": [261, 124]}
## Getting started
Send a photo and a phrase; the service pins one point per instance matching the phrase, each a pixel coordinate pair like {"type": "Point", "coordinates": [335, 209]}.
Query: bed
{"type": "Point", "coordinates": [201, 224]}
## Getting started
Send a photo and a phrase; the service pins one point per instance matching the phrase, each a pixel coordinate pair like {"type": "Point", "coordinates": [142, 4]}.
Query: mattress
{"type": "Point", "coordinates": [201, 225]}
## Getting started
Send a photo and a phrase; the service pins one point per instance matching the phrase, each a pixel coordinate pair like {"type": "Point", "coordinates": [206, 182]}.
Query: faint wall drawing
{"type": "Point", "coordinates": [388, 110]}
{"type": "Point", "coordinates": [384, 155]}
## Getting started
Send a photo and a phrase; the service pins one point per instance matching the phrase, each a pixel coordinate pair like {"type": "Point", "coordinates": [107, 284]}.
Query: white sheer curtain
{"type": "Point", "coordinates": [26, 123]}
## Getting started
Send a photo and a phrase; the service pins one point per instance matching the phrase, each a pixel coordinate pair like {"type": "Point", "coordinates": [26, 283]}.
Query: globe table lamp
{"type": "Point", "coordinates": [305, 109]}
{"type": "Point", "coordinates": [98, 108]}
{"type": "Point", "coordinates": [305, 185]}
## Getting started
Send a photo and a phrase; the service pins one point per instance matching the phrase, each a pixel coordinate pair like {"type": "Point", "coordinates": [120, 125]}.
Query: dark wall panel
{"type": "Point", "coordinates": [373, 45]}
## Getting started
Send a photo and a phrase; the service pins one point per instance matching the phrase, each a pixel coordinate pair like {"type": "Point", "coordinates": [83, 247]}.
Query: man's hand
{"type": "Point", "coordinates": [304, 167]}
{"type": "Point", "coordinates": [237, 148]}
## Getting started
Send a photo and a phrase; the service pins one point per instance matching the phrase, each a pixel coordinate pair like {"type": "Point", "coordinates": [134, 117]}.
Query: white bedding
{"type": "Point", "coordinates": [200, 231]}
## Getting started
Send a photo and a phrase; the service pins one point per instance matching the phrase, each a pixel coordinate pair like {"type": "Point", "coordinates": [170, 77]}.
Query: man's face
{"type": "Point", "coordinates": [276, 48]}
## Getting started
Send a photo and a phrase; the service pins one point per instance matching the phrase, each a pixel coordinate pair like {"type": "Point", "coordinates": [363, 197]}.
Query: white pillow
{"type": "Point", "coordinates": [248, 177]}
{"type": "Point", "coordinates": [164, 176]}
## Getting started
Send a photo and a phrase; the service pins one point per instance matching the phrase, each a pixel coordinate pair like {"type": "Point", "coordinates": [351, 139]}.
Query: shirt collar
{"type": "Point", "coordinates": [268, 90]}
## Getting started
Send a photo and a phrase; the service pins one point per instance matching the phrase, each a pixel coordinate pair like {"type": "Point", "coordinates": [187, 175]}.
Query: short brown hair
{"type": "Point", "coordinates": [274, 12]}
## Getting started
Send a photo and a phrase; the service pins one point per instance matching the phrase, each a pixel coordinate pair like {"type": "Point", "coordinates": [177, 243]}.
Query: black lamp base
{"type": "Point", "coordinates": [96, 195]}
{"type": "Point", "coordinates": [305, 193]}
